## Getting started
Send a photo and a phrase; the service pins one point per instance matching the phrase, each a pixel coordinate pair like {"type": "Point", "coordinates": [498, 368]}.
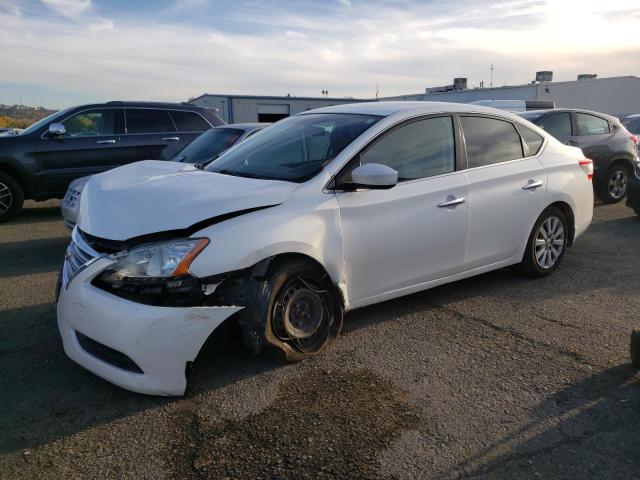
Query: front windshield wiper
{"type": "Point", "coordinates": [202, 165]}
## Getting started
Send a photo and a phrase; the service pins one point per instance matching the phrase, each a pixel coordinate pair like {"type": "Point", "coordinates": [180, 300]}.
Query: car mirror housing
{"type": "Point", "coordinates": [56, 130]}
{"type": "Point", "coordinates": [374, 176]}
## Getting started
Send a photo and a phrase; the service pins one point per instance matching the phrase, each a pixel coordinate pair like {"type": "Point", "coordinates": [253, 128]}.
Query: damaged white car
{"type": "Point", "coordinates": [323, 212]}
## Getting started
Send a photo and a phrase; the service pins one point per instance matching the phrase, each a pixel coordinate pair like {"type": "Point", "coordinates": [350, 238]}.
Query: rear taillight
{"type": "Point", "coordinates": [587, 167]}
{"type": "Point", "coordinates": [634, 139]}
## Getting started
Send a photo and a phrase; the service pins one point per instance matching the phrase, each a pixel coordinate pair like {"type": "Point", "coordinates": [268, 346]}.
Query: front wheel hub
{"type": "Point", "coordinates": [303, 313]}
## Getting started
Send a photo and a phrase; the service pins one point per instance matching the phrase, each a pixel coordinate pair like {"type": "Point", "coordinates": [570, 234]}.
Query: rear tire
{"type": "Point", "coordinates": [301, 310]}
{"type": "Point", "coordinates": [11, 197]}
{"type": "Point", "coordinates": [546, 245]}
{"type": "Point", "coordinates": [613, 188]}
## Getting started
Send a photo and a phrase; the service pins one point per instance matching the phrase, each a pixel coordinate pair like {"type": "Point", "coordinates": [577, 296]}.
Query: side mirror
{"type": "Point", "coordinates": [374, 176]}
{"type": "Point", "coordinates": [56, 130]}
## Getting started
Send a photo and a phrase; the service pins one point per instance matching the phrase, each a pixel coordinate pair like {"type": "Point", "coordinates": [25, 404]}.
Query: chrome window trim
{"type": "Point", "coordinates": [123, 108]}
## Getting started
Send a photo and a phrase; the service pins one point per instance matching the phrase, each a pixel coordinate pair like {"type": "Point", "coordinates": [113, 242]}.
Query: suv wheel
{"type": "Point", "coordinates": [547, 244]}
{"type": "Point", "coordinates": [11, 197]}
{"type": "Point", "coordinates": [614, 186]}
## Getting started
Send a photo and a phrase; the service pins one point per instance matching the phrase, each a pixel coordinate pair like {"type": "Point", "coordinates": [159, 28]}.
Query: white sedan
{"type": "Point", "coordinates": [324, 212]}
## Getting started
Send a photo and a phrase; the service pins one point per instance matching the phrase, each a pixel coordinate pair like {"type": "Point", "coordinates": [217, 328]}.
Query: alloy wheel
{"type": "Point", "coordinates": [549, 242]}
{"type": "Point", "coordinates": [617, 185]}
{"type": "Point", "coordinates": [6, 198]}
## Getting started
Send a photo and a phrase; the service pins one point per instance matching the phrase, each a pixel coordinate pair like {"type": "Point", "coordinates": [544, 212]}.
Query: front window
{"type": "Point", "coordinates": [208, 145]}
{"type": "Point", "coordinates": [294, 149]}
{"type": "Point", "coordinates": [94, 123]}
{"type": "Point", "coordinates": [46, 120]}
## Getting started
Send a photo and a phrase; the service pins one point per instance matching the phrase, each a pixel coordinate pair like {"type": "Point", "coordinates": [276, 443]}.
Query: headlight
{"type": "Point", "coordinates": [156, 274]}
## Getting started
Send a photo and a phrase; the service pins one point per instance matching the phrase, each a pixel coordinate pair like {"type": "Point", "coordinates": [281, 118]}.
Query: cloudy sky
{"type": "Point", "coordinates": [56, 53]}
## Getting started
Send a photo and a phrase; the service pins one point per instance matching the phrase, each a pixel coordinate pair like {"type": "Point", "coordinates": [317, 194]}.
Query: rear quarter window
{"type": "Point", "coordinates": [189, 121]}
{"type": "Point", "coordinates": [533, 140]}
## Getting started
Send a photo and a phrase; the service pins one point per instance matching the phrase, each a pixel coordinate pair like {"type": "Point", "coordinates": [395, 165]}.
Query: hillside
{"type": "Point", "coordinates": [21, 116]}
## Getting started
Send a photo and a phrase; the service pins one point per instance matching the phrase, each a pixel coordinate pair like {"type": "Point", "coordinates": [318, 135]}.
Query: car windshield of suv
{"type": "Point", "coordinates": [208, 145]}
{"type": "Point", "coordinates": [632, 124]}
{"type": "Point", "coordinates": [294, 149]}
{"type": "Point", "coordinates": [40, 123]}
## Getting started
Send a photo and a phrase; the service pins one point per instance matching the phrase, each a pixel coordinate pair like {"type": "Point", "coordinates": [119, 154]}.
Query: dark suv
{"type": "Point", "coordinates": [40, 162]}
{"type": "Point", "coordinates": [602, 138]}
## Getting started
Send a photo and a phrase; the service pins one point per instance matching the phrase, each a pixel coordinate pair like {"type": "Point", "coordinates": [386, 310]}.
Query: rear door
{"type": "Point", "coordinates": [90, 145]}
{"type": "Point", "coordinates": [150, 135]}
{"type": "Point", "coordinates": [506, 189]}
{"type": "Point", "coordinates": [593, 137]}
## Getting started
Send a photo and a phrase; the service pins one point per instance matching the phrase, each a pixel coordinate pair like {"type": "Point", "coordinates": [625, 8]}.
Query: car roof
{"type": "Point", "coordinates": [576, 110]}
{"type": "Point", "coordinates": [634, 115]}
{"type": "Point", "coordinates": [389, 108]}
{"type": "Point", "coordinates": [124, 104]}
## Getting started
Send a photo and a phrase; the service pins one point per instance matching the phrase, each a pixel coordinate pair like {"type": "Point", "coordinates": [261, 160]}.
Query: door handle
{"type": "Point", "coordinates": [102, 142]}
{"type": "Point", "coordinates": [532, 185]}
{"type": "Point", "coordinates": [451, 201]}
{"type": "Point", "coordinates": [171, 139]}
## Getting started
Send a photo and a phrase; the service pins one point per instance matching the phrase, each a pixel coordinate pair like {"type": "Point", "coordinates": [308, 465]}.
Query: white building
{"type": "Point", "coordinates": [617, 96]}
{"type": "Point", "coordinates": [255, 108]}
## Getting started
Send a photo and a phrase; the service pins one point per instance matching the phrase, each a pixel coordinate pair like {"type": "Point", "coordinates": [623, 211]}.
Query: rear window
{"type": "Point", "coordinates": [533, 140]}
{"type": "Point", "coordinates": [490, 141]}
{"type": "Point", "coordinates": [140, 120]}
{"type": "Point", "coordinates": [189, 121]}
{"type": "Point", "coordinates": [592, 125]}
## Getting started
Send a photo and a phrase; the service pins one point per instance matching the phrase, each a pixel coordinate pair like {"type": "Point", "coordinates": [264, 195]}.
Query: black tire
{"type": "Point", "coordinates": [300, 309]}
{"type": "Point", "coordinates": [635, 348]}
{"type": "Point", "coordinates": [637, 210]}
{"type": "Point", "coordinates": [615, 184]}
{"type": "Point", "coordinates": [11, 197]}
{"type": "Point", "coordinates": [535, 265]}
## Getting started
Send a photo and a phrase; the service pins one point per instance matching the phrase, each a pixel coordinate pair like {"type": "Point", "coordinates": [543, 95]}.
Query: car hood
{"type": "Point", "coordinates": [156, 196]}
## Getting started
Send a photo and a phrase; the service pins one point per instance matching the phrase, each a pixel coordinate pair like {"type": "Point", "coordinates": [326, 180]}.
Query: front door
{"type": "Point", "coordinates": [91, 141]}
{"type": "Point", "coordinates": [415, 232]}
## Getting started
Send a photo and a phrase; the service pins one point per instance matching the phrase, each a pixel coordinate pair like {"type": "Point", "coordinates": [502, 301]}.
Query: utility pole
{"type": "Point", "coordinates": [377, 85]}
{"type": "Point", "coordinates": [491, 82]}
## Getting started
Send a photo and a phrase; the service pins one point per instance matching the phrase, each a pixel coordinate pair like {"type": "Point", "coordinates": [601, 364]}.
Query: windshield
{"type": "Point", "coordinates": [208, 145]}
{"type": "Point", "coordinates": [632, 124]}
{"type": "Point", "coordinates": [40, 123]}
{"type": "Point", "coordinates": [294, 149]}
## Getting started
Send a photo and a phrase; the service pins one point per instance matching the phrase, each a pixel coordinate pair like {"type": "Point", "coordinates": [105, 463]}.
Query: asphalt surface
{"type": "Point", "coordinates": [492, 377]}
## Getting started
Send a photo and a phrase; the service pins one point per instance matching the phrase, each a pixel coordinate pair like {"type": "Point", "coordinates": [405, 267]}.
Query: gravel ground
{"type": "Point", "coordinates": [492, 377]}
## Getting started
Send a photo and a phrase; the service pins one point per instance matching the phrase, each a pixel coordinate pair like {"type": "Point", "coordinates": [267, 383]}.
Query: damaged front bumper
{"type": "Point", "coordinates": [138, 347]}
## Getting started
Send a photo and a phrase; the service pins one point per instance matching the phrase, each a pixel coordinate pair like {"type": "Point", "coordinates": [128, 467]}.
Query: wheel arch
{"type": "Point", "coordinates": [9, 169]}
{"type": "Point", "coordinates": [567, 211]}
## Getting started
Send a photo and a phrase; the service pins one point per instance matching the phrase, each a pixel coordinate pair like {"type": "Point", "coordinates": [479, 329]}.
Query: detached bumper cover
{"type": "Point", "coordinates": [159, 340]}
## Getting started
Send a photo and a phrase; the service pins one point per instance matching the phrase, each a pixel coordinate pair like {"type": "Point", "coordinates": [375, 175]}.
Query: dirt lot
{"type": "Point", "coordinates": [492, 377]}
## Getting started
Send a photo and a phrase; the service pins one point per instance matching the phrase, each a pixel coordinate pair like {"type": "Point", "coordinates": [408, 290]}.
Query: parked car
{"type": "Point", "coordinates": [41, 161]}
{"type": "Point", "coordinates": [602, 138]}
{"type": "Point", "coordinates": [633, 196]}
{"type": "Point", "coordinates": [201, 151]}
{"type": "Point", "coordinates": [323, 212]}
{"type": "Point", "coordinates": [632, 123]}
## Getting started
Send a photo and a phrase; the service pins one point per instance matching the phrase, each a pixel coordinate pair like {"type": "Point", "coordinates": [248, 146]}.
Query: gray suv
{"type": "Point", "coordinates": [602, 138]}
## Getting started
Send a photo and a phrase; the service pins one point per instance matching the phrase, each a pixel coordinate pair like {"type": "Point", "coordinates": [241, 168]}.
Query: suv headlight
{"type": "Point", "coordinates": [156, 274]}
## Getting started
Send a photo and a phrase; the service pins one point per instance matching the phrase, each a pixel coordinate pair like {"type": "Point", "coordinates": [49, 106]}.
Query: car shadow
{"type": "Point", "coordinates": [600, 414]}
{"type": "Point", "coordinates": [44, 384]}
{"type": "Point", "coordinates": [32, 256]}
{"type": "Point", "coordinates": [37, 215]}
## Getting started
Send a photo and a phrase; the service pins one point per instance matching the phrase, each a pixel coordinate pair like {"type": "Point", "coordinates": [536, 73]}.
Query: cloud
{"type": "Point", "coordinates": [306, 48]}
{"type": "Point", "coordinates": [68, 8]}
